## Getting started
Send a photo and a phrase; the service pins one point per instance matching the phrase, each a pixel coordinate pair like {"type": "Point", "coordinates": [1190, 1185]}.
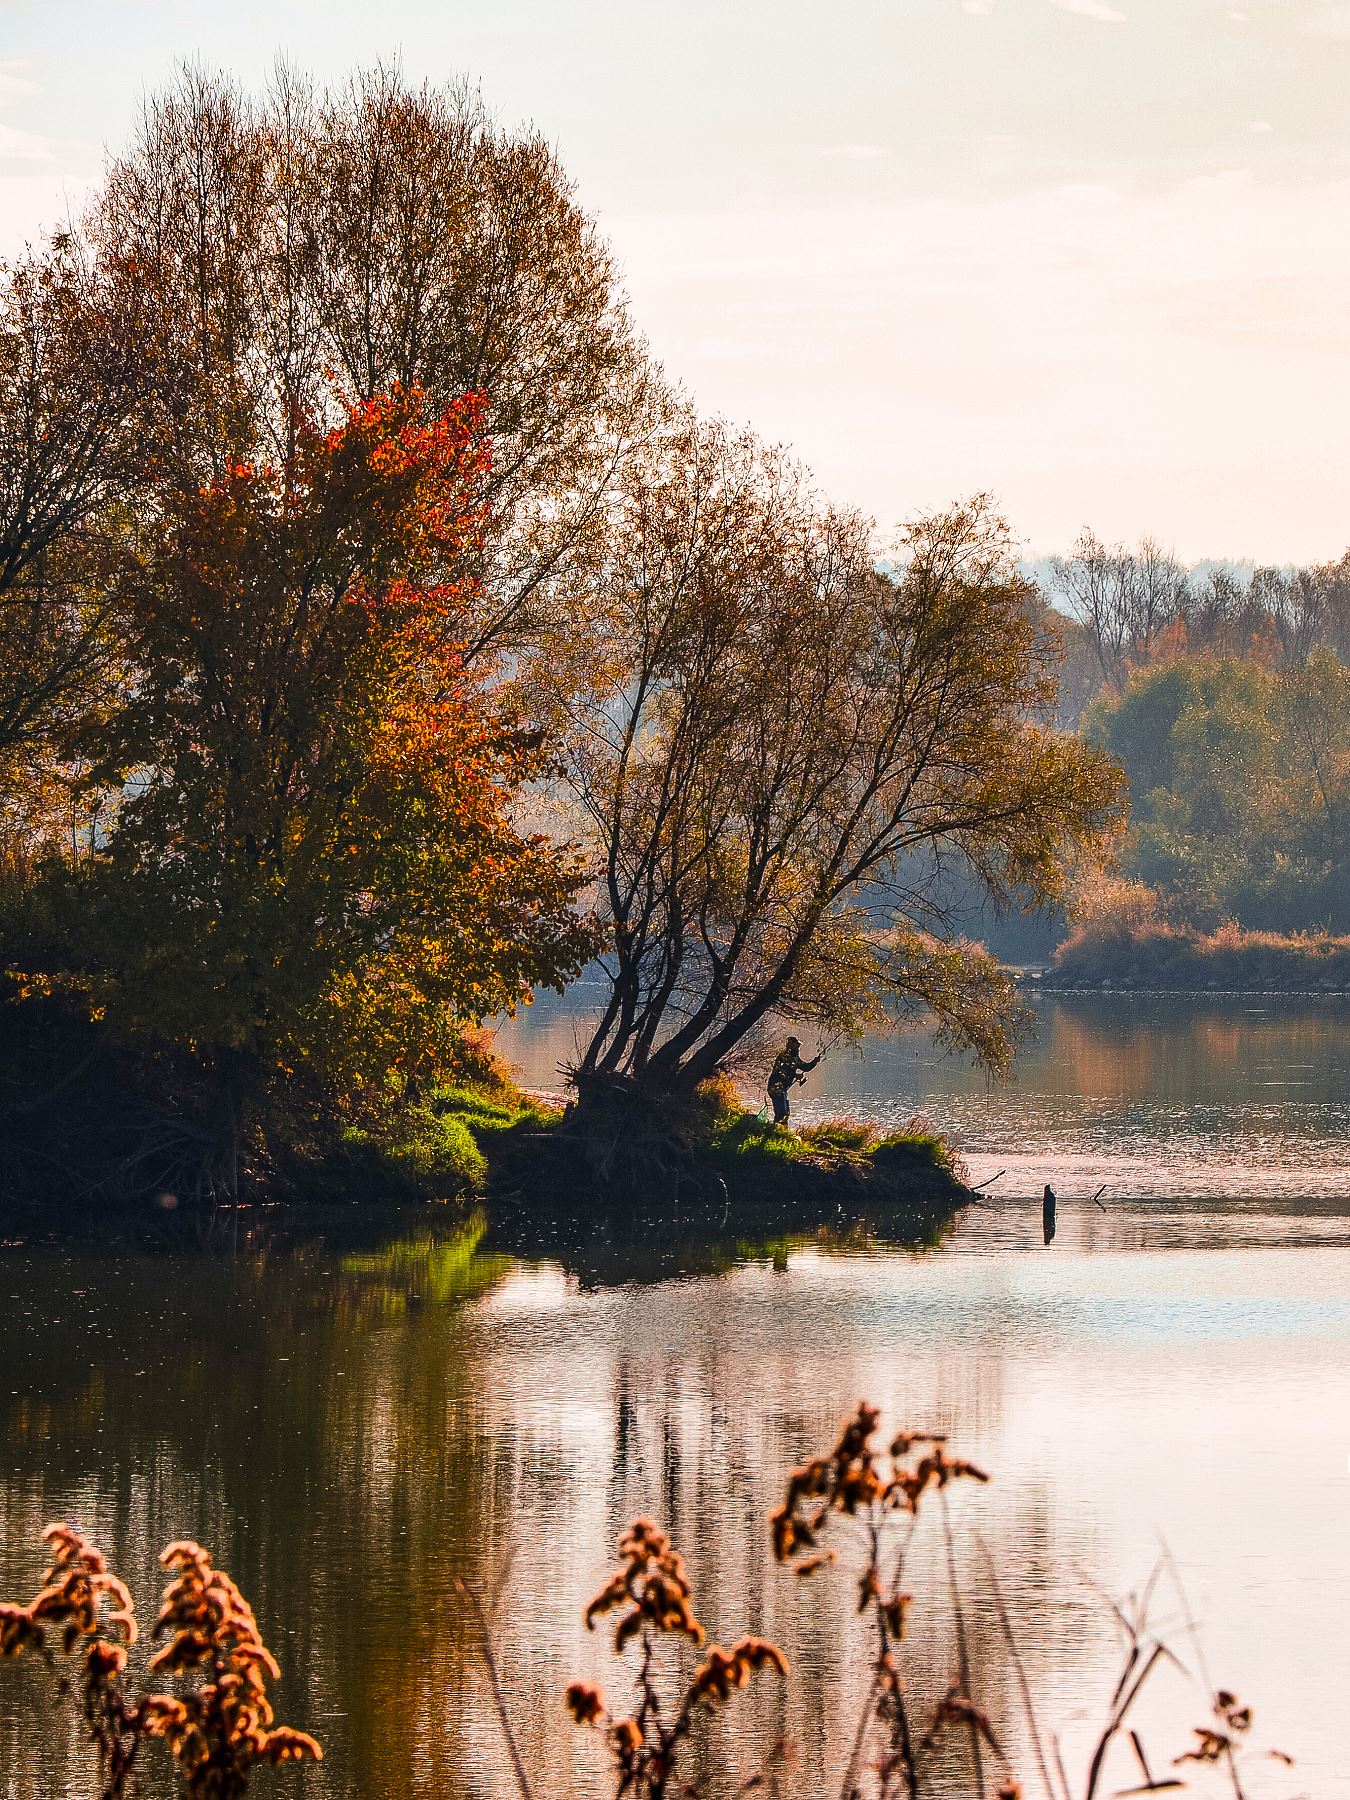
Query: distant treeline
{"type": "Point", "coordinates": [1224, 694]}
{"type": "Point", "coordinates": [1127, 610]}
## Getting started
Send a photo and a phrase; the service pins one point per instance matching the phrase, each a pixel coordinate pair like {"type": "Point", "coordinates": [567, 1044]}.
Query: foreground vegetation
{"type": "Point", "coordinates": [883, 1494]}
{"type": "Point", "coordinates": [215, 1720]}
{"type": "Point", "coordinates": [860, 1500]}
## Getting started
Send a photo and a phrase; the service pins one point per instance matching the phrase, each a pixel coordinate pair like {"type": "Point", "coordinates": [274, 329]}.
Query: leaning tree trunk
{"type": "Point", "coordinates": [639, 1141]}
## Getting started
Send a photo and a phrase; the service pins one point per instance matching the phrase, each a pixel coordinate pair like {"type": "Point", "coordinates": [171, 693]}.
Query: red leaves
{"type": "Point", "coordinates": [324, 874]}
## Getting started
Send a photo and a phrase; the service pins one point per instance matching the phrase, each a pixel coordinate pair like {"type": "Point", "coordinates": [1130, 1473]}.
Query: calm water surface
{"type": "Point", "coordinates": [350, 1434]}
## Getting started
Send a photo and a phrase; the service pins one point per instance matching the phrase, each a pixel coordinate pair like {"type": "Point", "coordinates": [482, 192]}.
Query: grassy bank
{"type": "Point", "coordinates": [734, 1176]}
{"type": "Point", "coordinates": [91, 1129]}
{"type": "Point", "coordinates": [90, 1134]}
{"type": "Point", "coordinates": [441, 1149]}
{"type": "Point", "coordinates": [1172, 958]}
{"type": "Point", "coordinates": [759, 1160]}
{"type": "Point", "coordinates": [723, 1179]}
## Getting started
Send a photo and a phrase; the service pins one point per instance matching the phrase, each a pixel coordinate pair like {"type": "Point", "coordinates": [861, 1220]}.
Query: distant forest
{"type": "Point", "coordinates": [1223, 691]}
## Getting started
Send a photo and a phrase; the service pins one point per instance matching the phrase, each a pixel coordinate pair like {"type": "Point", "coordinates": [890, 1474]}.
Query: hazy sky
{"type": "Point", "coordinates": [1093, 255]}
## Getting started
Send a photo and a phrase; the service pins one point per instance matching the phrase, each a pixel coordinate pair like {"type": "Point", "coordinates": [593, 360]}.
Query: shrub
{"type": "Point", "coordinates": [840, 1134]}
{"type": "Point", "coordinates": [1109, 910]}
{"type": "Point", "coordinates": [423, 1156]}
{"type": "Point", "coordinates": [217, 1726]}
{"type": "Point", "coordinates": [719, 1101]}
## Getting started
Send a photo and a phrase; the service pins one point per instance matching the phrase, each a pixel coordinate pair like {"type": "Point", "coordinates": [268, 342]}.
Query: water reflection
{"type": "Point", "coordinates": [350, 1434]}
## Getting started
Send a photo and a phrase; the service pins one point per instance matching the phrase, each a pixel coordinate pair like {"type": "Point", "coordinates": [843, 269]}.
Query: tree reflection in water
{"type": "Point", "coordinates": [351, 1436]}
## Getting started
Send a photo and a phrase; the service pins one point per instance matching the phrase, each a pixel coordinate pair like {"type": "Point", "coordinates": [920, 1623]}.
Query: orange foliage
{"type": "Point", "coordinates": [316, 859]}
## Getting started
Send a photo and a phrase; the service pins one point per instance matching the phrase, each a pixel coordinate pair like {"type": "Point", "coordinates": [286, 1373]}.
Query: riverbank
{"type": "Point", "coordinates": [726, 1173]}
{"type": "Point", "coordinates": [1172, 959]}
{"type": "Point", "coordinates": [139, 1148]}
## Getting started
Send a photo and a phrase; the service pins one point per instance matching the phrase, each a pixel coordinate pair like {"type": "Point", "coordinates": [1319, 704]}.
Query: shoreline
{"type": "Point", "coordinates": [509, 1158]}
{"type": "Point", "coordinates": [1210, 990]}
{"type": "Point", "coordinates": [1173, 960]}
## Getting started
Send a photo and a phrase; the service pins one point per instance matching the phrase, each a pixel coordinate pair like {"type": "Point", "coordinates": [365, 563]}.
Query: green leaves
{"type": "Point", "coordinates": [1241, 789]}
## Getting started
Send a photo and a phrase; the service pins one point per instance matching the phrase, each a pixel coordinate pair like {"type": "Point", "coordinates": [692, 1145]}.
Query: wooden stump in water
{"type": "Point", "coordinates": [1048, 1213]}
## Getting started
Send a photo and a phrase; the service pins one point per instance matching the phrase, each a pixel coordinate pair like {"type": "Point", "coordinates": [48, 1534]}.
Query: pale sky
{"type": "Point", "coordinates": [1092, 255]}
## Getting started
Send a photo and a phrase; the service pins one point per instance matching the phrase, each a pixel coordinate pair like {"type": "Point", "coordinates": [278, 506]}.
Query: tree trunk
{"type": "Point", "coordinates": [639, 1140]}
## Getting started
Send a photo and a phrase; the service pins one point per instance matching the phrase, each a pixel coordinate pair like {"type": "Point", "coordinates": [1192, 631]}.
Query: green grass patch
{"type": "Point", "coordinates": [438, 1150]}
{"type": "Point", "coordinates": [500, 1110]}
{"type": "Point", "coordinates": [741, 1134]}
{"type": "Point", "coordinates": [423, 1156]}
{"type": "Point", "coordinates": [918, 1144]}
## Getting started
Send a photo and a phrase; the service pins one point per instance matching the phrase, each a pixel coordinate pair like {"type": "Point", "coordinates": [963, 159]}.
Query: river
{"type": "Point", "coordinates": [352, 1432]}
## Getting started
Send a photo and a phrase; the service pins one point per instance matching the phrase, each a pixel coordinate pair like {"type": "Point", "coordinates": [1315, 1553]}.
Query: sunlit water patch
{"type": "Point", "coordinates": [354, 1435]}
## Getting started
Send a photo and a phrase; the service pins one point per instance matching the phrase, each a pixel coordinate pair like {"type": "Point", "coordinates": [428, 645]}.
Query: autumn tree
{"type": "Point", "coordinates": [391, 234]}
{"type": "Point", "coordinates": [1135, 609]}
{"type": "Point", "coordinates": [298, 849]}
{"type": "Point", "coordinates": [314, 871]}
{"type": "Point", "coordinates": [780, 750]}
{"type": "Point", "coordinates": [1308, 609]}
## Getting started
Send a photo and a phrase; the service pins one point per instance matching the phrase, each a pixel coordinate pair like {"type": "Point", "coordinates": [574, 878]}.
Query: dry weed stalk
{"type": "Point", "coordinates": [651, 1592]}
{"type": "Point", "coordinates": [883, 1492]}
{"type": "Point", "coordinates": [891, 1754]}
{"type": "Point", "coordinates": [219, 1728]}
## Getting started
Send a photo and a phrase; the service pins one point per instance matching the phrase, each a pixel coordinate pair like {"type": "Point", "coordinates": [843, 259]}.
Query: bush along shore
{"type": "Point", "coordinates": [1178, 959]}
{"type": "Point", "coordinates": [90, 1132]}
{"type": "Point", "coordinates": [710, 1170]}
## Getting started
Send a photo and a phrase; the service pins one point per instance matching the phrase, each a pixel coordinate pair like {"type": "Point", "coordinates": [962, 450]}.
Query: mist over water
{"type": "Point", "coordinates": [349, 1434]}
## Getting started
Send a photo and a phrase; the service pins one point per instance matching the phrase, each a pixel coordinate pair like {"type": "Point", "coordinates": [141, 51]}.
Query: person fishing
{"type": "Point", "coordinates": [787, 1071]}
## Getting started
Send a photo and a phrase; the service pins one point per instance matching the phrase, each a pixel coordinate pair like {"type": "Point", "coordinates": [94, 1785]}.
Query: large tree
{"type": "Point", "coordinates": [314, 867]}
{"type": "Point", "coordinates": [308, 849]}
{"type": "Point", "coordinates": [386, 234]}
{"type": "Point", "coordinates": [781, 746]}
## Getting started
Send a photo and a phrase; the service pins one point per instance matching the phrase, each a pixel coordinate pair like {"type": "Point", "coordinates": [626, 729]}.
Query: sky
{"type": "Point", "coordinates": [1091, 256]}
